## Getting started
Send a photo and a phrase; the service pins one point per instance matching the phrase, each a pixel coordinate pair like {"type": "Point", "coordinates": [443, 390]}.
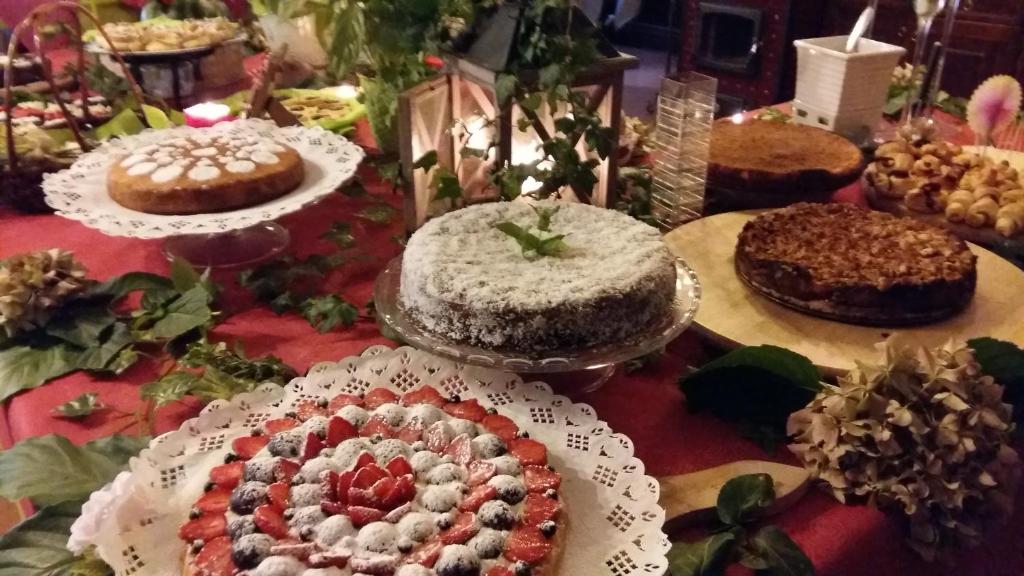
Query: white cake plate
{"type": "Point", "coordinates": [224, 239]}
{"type": "Point", "coordinates": [570, 371]}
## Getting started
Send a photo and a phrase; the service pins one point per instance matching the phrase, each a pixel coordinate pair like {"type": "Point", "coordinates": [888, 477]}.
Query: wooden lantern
{"type": "Point", "coordinates": [459, 110]}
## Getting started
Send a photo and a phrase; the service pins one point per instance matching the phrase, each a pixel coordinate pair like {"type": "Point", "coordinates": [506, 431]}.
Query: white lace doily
{"type": "Point", "coordinates": [614, 522]}
{"type": "Point", "coordinates": [80, 192]}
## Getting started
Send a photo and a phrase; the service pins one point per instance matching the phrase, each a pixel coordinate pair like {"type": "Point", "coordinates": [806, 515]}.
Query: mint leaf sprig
{"type": "Point", "coordinates": [535, 246]}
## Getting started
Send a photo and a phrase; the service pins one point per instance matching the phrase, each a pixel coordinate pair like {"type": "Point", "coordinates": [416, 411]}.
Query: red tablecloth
{"type": "Point", "coordinates": [647, 406]}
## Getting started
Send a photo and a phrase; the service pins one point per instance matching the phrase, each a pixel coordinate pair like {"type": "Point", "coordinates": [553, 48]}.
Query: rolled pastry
{"type": "Point", "coordinates": [1011, 196]}
{"type": "Point", "coordinates": [957, 205]}
{"type": "Point", "coordinates": [1010, 219]}
{"type": "Point", "coordinates": [982, 212]}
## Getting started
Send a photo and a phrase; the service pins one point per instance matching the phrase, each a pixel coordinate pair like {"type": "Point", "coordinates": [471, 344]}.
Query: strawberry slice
{"type": "Point", "coordinates": [437, 437]}
{"type": "Point", "coordinates": [399, 466]}
{"type": "Point", "coordinates": [528, 452]}
{"type": "Point", "coordinates": [382, 488]}
{"type": "Point", "coordinates": [480, 471]}
{"type": "Point", "coordinates": [526, 544]}
{"type": "Point", "coordinates": [461, 450]}
{"type": "Point", "coordinates": [501, 426]}
{"type": "Point", "coordinates": [376, 426]}
{"type": "Point", "coordinates": [329, 485]}
{"type": "Point", "coordinates": [339, 430]}
{"type": "Point", "coordinates": [539, 508]}
{"type": "Point", "coordinates": [467, 410]}
{"type": "Point", "coordinates": [379, 397]}
{"type": "Point", "coordinates": [227, 475]}
{"type": "Point", "coordinates": [326, 559]}
{"type": "Point", "coordinates": [272, 427]}
{"type": "Point", "coordinates": [333, 508]}
{"type": "Point", "coordinates": [364, 460]}
{"type": "Point", "coordinates": [425, 554]}
{"type": "Point", "coordinates": [403, 491]}
{"type": "Point", "coordinates": [424, 395]}
{"type": "Point", "coordinates": [312, 447]}
{"type": "Point", "coordinates": [215, 558]}
{"type": "Point", "coordinates": [342, 400]}
{"type": "Point", "coordinates": [476, 498]}
{"type": "Point", "coordinates": [216, 500]}
{"type": "Point", "coordinates": [368, 476]}
{"type": "Point", "coordinates": [361, 516]}
{"type": "Point", "coordinates": [279, 495]}
{"type": "Point", "coordinates": [363, 497]}
{"type": "Point", "coordinates": [464, 528]}
{"type": "Point", "coordinates": [540, 478]}
{"type": "Point", "coordinates": [500, 571]}
{"type": "Point", "coordinates": [285, 470]}
{"type": "Point", "coordinates": [344, 483]}
{"type": "Point", "coordinates": [248, 446]}
{"type": "Point", "coordinates": [398, 513]}
{"type": "Point", "coordinates": [206, 527]}
{"type": "Point", "coordinates": [411, 432]}
{"type": "Point", "coordinates": [307, 409]}
{"type": "Point", "coordinates": [270, 521]}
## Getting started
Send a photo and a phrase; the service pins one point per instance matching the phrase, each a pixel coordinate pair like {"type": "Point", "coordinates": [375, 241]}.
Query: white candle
{"type": "Point", "coordinates": [346, 91]}
{"type": "Point", "coordinates": [207, 114]}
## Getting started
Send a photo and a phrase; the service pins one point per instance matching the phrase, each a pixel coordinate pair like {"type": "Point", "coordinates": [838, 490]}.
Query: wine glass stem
{"type": "Point", "coordinates": [924, 26]}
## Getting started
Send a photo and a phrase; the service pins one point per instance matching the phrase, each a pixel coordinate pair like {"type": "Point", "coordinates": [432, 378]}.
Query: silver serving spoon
{"type": "Point", "coordinates": [862, 25]}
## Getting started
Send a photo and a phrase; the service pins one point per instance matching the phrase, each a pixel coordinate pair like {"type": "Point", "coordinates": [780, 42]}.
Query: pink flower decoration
{"type": "Point", "coordinates": [993, 105]}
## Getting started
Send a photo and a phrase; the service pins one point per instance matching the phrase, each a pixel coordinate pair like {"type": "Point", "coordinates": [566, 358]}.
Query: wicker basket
{"type": "Point", "coordinates": [21, 177]}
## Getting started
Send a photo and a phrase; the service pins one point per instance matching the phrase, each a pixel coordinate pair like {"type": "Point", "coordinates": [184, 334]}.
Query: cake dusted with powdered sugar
{"type": "Point", "coordinates": [467, 281]}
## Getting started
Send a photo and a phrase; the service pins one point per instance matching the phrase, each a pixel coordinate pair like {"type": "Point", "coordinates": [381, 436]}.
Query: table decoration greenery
{"type": "Point", "coordinates": [735, 538]}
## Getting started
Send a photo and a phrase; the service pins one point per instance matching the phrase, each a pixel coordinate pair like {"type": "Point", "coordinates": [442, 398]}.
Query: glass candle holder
{"type": "Point", "coordinates": [681, 144]}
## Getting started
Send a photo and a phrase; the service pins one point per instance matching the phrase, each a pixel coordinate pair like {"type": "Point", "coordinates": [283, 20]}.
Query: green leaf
{"type": "Point", "coordinates": [755, 385]}
{"type": "Point", "coordinates": [544, 216]}
{"type": "Point", "coordinates": [427, 161]}
{"type": "Point", "coordinates": [378, 213]}
{"type": "Point", "coordinates": [354, 189]}
{"type": "Point", "coordinates": [532, 102]}
{"type": "Point", "coordinates": [156, 118]}
{"type": "Point", "coordinates": [743, 497]}
{"type": "Point", "coordinates": [37, 546]}
{"type": "Point", "coordinates": [79, 407]}
{"type": "Point", "coordinates": [505, 88]}
{"type": "Point", "coordinates": [528, 242]}
{"type": "Point", "coordinates": [120, 286]}
{"type": "Point", "coordinates": [183, 276]}
{"type": "Point", "coordinates": [81, 325]}
{"type": "Point", "coordinates": [328, 312]}
{"type": "Point", "coordinates": [100, 356]}
{"type": "Point", "coordinates": [188, 312]}
{"type": "Point", "coordinates": [448, 186]}
{"type": "Point", "coordinates": [124, 123]}
{"type": "Point", "coordinates": [1003, 361]}
{"type": "Point", "coordinates": [170, 388]}
{"type": "Point", "coordinates": [780, 553]}
{"type": "Point", "coordinates": [50, 469]}
{"type": "Point", "coordinates": [341, 234]}
{"type": "Point", "coordinates": [552, 246]}
{"type": "Point", "coordinates": [707, 557]}
{"type": "Point", "coordinates": [23, 367]}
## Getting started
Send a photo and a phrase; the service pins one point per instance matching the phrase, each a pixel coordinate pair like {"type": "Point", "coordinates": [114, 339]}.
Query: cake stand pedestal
{"type": "Point", "coordinates": [570, 372]}
{"type": "Point", "coordinates": [229, 249]}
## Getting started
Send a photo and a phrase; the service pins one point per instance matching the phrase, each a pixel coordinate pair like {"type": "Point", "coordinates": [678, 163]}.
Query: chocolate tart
{"type": "Point", "coordinates": [854, 265]}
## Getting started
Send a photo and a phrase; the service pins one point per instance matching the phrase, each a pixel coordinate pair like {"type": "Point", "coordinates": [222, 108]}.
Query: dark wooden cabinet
{"type": "Point", "coordinates": [988, 36]}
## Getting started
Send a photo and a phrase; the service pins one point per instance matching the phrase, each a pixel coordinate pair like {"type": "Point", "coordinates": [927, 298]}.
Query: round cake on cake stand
{"type": "Point", "coordinates": [569, 371]}
{"type": "Point", "coordinates": [223, 239]}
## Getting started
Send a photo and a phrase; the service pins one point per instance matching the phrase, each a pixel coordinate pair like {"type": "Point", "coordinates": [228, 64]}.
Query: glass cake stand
{"type": "Point", "coordinates": [230, 249]}
{"type": "Point", "coordinates": [570, 371]}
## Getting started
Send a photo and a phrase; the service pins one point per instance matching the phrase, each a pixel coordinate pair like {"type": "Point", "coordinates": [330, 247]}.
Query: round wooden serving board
{"type": "Point", "coordinates": [734, 315]}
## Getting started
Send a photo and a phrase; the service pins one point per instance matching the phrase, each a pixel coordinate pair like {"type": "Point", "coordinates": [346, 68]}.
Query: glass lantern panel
{"type": "Point", "coordinates": [474, 136]}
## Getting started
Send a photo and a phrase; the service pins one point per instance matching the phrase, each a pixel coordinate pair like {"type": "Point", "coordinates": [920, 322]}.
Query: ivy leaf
{"type": "Point", "coordinates": [552, 246]}
{"type": "Point", "coordinates": [79, 407]}
{"type": "Point", "coordinates": [328, 312]}
{"type": "Point", "coordinates": [707, 557]}
{"type": "Point", "coordinates": [183, 276]}
{"type": "Point", "coordinates": [191, 310]}
{"type": "Point", "coordinates": [528, 242]}
{"type": "Point", "coordinates": [285, 302]}
{"type": "Point", "coordinates": [378, 213]}
{"type": "Point", "coordinates": [1003, 361]}
{"type": "Point", "coordinates": [354, 189]}
{"type": "Point", "coordinates": [782, 556]}
{"type": "Point", "coordinates": [81, 325]}
{"type": "Point", "coordinates": [37, 546]}
{"type": "Point", "coordinates": [99, 357]}
{"type": "Point", "coordinates": [505, 88]}
{"type": "Point", "coordinates": [50, 469]}
{"type": "Point", "coordinates": [341, 234]}
{"type": "Point", "coordinates": [120, 286]}
{"type": "Point", "coordinates": [426, 162]}
{"type": "Point", "coordinates": [169, 388]}
{"type": "Point", "coordinates": [754, 385]}
{"type": "Point", "coordinates": [532, 102]}
{"type": "Point", "coordinates": [544, 216]}
{"type": "Point", "coordinates": [217, 385]}
{"type": "Point", "coordinates": [742, 497]}
{"type": "Point", "coordinates": [448, 186]}
{"type": "Point", "coordinates": [24, 367]}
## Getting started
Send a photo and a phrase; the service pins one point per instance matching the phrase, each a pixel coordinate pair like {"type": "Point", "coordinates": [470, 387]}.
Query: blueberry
{"type": "Point", "coordinates": [321, 402]}
{"type": "Point", "coordinates": [497, 514]}
{"type": "Point", "coordinates": [444, 521]}
{"type": "Point", "coordinates": [492, 410]}
{"type": "Point", "coordinates": [521, 569]}
{"type": "Point", "coordinates": [291, 414]}
{"type": "Point", "coordinates": [551, 493]}
{"type": "Point", "coordinates": [230, 457]}
{"type": "Point", "coordinates": [547, 528]}
{"type": "Point", "coordinates": [197, 545]}
{"type": "Point", "coordinates": [248, 497]}
{"type": "Point", "coordinates": [523, 434]}
{"type": "Point", "coordinates": [287, 444]}
{"type": "Point", "coordinates": [241, 526]}
{"type": "Point", "coordinates": [306, 533]}
{"type": "Point", "coordinates": [455, 399]}
{"type": "Point", "coordinates": [405, 546]}
{"type": "Point", "coordinates": [249, 550]}
{"type": "Point", "coordinates": [209, 486]}
{"type": "Point", "coordinates": [194, 513]}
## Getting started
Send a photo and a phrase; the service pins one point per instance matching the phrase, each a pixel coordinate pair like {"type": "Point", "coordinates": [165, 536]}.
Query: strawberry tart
{"type": "Point", "coordinates": [380, 484]}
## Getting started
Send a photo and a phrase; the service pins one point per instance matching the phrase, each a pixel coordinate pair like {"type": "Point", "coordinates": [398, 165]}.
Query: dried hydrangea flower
{"type": "Point", "coordinates": [924, 433]}
{"type": "Point", "coordinates": [34, 285]}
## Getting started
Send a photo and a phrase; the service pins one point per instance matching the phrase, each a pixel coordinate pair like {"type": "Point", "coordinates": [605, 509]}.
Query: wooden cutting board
{"type": "Point", "coordinates": [690, 499]}
{"type": "Point", "coordinates": [732, 315]}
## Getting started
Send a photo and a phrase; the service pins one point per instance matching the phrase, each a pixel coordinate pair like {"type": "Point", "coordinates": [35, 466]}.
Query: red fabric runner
{"type": "Point", "coordinates": [646, 406]}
